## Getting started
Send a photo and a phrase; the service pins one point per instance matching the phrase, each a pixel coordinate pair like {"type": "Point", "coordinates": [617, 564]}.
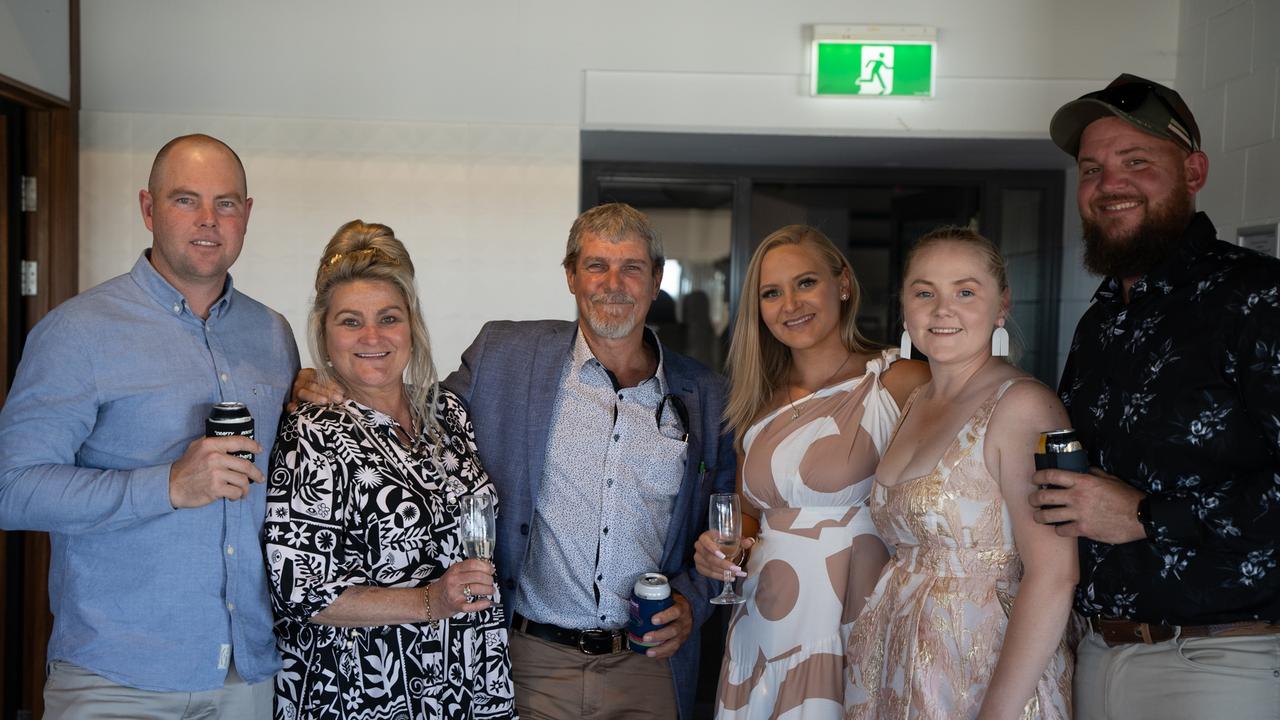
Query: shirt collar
{"type": "Point", "coordinates": [1176, 270]}
{"type": "Point", "coordinates": [154, 284]}
{"type": "Point", "coordinates": [590, 369]}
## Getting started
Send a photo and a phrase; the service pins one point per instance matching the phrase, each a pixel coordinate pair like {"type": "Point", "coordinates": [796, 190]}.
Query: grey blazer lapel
{"type": "Point", "coordinates": [547, 363]}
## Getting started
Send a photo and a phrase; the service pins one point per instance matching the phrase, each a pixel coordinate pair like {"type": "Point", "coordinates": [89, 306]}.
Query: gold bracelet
{"type": "Point", "coordinates": [426, 603]}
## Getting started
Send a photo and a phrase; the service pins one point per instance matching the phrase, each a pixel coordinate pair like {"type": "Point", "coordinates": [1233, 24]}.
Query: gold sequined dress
{"type": "Point", "coordinates": [926, 644]}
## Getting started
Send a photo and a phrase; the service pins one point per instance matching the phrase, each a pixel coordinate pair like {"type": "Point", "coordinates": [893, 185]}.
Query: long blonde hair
{"type": "Point", "coordinates": [370, 251]}
{"type": "Point", "coordinates": [758, 363]}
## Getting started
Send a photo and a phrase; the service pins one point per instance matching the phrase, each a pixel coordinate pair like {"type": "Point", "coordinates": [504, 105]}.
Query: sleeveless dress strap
{"type": "Point", "coordinates": [989, 407]}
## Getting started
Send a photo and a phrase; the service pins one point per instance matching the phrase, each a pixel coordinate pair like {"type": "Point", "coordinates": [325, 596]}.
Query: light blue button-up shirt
{"type": "Point", "coordinates": [614, 466]}
{"type": "Point", "coordinates": [112, 387]}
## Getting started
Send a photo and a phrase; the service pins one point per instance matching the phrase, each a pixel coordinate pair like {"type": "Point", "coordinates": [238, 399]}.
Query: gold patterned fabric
{"type": "Point", "coordinates": [926, 644]}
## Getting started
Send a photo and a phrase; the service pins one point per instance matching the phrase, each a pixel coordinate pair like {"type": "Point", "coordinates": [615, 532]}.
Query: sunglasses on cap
{"type": "Point", "coordinates": [1132, 96]}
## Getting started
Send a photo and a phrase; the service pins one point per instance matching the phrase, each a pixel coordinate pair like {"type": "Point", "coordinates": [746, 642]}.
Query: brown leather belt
{"type": "Point", "coordinates": [588, 642]}
{"type": "Point", "coordinates": [1120, 632]}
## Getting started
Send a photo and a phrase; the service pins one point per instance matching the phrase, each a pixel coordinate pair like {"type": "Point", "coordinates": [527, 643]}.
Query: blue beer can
{"type": "Point", "coordinates": [650, 596]}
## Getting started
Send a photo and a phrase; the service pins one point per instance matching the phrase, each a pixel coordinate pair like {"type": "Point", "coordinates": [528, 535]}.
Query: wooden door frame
{"type": "Point", "coordinates": [50, 238]}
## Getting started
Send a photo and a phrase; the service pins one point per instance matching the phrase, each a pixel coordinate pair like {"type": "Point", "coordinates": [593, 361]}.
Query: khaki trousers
{"type": "Point", "coordinates": [557, 682]}
{"type": "Point", "coordinates": [1235, 678]}
{"type": "Point", "coordinates": [73, 693]}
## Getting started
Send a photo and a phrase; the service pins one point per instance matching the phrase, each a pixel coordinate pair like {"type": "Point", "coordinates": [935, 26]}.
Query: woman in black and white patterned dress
{"type": "Point", "coordinates": [378, 614]}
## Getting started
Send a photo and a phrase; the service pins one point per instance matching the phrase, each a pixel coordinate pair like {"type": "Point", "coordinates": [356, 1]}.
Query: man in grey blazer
{"type": "Point", "coordinates": [604, 447]}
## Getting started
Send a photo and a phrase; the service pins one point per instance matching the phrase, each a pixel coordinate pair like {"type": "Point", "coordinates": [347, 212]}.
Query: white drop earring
{"type": "Point", "coordinates": [904, 348]}
{"type": "Point", "coordinates": [1000, 340]}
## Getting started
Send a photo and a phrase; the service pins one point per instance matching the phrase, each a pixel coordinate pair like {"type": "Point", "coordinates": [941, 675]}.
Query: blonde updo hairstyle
{"type": "Point", "coordinates": [759, 363]}
{"type": "Point", "coordinates": [371, 252]}
{"type": "Point", "coordinates": [991, 257]}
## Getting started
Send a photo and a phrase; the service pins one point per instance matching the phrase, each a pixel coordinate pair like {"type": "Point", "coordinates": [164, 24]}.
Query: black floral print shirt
{"type": "Point", "coordinates": [348, 505]}
{"type": "Point", "coordinates": [1178, 393]}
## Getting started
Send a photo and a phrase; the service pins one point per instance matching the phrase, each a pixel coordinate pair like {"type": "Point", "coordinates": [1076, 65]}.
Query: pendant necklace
{"type": "Point", "coordinates": [795, 410]}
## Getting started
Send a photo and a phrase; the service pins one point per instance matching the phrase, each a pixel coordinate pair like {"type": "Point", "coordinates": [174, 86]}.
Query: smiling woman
{"type": "Point", "coordinates": [362, 535]}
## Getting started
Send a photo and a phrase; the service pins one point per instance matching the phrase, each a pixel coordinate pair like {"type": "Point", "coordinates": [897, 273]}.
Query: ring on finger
{"type": "Point", "coordinates": [466, 592]}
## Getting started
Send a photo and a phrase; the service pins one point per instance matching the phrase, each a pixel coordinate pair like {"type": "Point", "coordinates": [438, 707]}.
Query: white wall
{"type": "Point", "coordinates": [457, 123]}
{"type": "Point", "coordinates": [1229, 74]}
{"type": "Point", "coordinates": [35, 44]}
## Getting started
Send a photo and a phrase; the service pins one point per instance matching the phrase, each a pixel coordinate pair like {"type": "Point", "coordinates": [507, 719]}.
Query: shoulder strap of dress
{"type": "Point", "coordinates": [989, 407]}
{"type": "Point", "coordinates": [881, 362]}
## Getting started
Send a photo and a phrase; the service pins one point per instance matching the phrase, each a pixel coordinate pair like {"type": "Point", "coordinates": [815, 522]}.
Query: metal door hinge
{"type": "Point", "coordinates": [28, 194]}
{"type": "Point", "coordinates": [29, 269]}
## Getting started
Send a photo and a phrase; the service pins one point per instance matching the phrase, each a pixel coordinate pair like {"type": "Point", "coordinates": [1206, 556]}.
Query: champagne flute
{"type": "Point", "coordinates": [479, 531]}
{"type": "Point", "coordinates": [725, 520]}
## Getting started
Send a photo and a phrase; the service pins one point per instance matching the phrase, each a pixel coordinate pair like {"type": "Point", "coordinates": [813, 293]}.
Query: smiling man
{"type": "Point", "coordinates": [156, 581]}
{"type": "Point", "coordinates": [1172, 385]}
{"type": "Point", "coordinates": [605, 447]}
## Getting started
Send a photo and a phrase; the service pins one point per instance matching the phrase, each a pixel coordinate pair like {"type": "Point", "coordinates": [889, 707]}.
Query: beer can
{"type": "Point", "coordinates": [650, 596]}
{"type": "Point", "coordinates": [230, 418]}
{"type": "Point", "coordinates": [1059, 449]}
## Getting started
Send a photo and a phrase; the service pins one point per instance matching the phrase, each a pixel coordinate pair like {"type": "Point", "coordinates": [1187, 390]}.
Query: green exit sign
{"type": "Point", "coordinates": [874, 61]}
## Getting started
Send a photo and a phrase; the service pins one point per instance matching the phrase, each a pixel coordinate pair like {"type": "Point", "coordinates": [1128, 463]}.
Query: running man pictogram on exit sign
{"type": "Point", "coordinates": [873, 61]}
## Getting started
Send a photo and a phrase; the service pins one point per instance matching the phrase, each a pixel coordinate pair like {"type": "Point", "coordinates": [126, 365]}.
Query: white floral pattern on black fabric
{"type": "Point", "coordinates": [1178, 393]}
{"type": "Point", "coordinates": [348, 504]}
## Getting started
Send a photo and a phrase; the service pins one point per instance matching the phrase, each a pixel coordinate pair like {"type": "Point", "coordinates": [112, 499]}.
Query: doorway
{"type": "Point", "coordinates": [874, 215]}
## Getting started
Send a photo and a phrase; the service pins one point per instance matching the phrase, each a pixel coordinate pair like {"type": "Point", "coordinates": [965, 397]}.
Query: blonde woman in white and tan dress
{"type": "Point", "coordinates": [812, 403]}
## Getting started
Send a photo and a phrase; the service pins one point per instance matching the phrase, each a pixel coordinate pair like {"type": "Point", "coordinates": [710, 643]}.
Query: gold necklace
{"type": "Point", "coordinates": [795, 411]}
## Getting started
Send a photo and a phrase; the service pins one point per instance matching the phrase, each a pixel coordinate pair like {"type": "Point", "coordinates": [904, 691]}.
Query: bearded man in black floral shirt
{"type": "Point", "coordinates": [1173, 385]}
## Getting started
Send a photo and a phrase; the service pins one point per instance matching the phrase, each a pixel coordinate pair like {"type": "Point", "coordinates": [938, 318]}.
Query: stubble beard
{"type": "Point", "coordinates": [1136, 253]}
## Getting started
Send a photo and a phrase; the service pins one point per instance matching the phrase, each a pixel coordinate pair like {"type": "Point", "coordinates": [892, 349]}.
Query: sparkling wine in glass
{"type": "Point", "coordinates": [479, 530]}
{"type": "Point", "coordinates": [725, 521]}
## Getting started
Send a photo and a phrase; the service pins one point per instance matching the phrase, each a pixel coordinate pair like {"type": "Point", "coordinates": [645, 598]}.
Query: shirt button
{"type": "Point", "coordinates": [524, 528]}
{"type": "Point", "coordinates": [602, 617]}
{"type": "Point", "coordinates": [231, 606]}
{"type": "Point", "coordinates": [615, 437]}
{"type": "Point", "coordinates": [599, 577]}
{"type": "Point", "coordinates": [223, 377]}
{"type": "Point", "coordinates": [177, 308]}
{"type": "Point", "coordinates": [609, 482]}
{"type": "Point", "coordinates": [606, 531]}
{"type": "Point", "coordinates": [231, 550]}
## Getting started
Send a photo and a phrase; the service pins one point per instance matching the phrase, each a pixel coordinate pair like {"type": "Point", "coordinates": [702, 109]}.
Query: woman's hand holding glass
{"type": "Point", "coordinates": [464, 588]}
{"type": "Point", "coordinates": [710, 560]}
{"type": "Point", "coordinates": [725, 521]}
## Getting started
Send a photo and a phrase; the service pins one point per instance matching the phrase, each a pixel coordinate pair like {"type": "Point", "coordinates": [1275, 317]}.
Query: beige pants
{"type": "Point", "coordinates": [1231, 678]}
{"type": "Point", "coordinates": [73, 693]}
{"type": "Point", "coordinates": [557, 682]}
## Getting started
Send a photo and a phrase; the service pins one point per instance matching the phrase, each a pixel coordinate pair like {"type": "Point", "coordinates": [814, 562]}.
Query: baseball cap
{"type": "Point", "coordinates": [1146, 105]}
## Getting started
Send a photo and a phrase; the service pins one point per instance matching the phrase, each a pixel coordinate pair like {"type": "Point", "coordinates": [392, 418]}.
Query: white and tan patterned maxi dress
{"type": "Point", "coordinates": [810, 476]}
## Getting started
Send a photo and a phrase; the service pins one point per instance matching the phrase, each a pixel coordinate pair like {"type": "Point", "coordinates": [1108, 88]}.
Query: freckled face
{"type": "Point", "coordinates": [951, 302]}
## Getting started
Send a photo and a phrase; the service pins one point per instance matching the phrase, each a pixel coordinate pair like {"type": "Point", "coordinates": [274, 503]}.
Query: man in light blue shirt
{"type": "Point", "coordinates": [156, 580]}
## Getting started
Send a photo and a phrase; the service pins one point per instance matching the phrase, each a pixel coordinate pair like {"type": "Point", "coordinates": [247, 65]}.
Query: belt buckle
{"type": "Point", "coordinates": [599, 635]}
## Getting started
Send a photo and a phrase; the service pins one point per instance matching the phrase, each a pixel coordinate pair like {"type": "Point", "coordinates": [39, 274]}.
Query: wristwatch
{"type": "Point", "coordinates": [1144, 517]}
